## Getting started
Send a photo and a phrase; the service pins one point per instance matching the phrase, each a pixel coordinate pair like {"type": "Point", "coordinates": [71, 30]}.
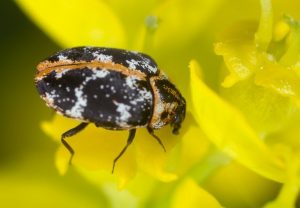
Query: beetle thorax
{"type": "Point", "coordinates": [166, 101]}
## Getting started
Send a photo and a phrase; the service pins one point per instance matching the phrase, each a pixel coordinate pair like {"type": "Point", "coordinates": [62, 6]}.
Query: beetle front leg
{"type": "Point", "coordinates": [70, 133]}
{"type": "Point", "coordinates": [150, 130]}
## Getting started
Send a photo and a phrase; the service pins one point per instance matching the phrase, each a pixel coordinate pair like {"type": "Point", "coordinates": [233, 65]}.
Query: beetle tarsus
{"type": "Point", "coordinates": [150, 130]}
{"type": "Point", "coordinates": [129, 141]}
{"type": "Point", "coordinates": [70, 133]}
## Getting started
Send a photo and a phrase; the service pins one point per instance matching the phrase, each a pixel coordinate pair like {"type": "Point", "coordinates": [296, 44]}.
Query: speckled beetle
{"type": "Point", "coordinates": [114, 89]}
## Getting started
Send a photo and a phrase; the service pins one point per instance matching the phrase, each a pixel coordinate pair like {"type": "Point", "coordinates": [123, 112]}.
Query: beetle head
{"type": "Point", "coordinates": [179, 115]}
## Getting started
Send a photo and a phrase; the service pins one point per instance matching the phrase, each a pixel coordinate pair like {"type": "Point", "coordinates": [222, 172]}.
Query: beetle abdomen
{"type": "Point", "coordinates": [105, 97]}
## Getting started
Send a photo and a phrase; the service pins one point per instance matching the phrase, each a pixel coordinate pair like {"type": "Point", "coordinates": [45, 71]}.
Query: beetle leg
{"type": "Point", "coordinates": [156, 137]}
{"type": "Point", "coordinates": [129, 141]}
{"type": "Point", "coordinates": [70, 133]}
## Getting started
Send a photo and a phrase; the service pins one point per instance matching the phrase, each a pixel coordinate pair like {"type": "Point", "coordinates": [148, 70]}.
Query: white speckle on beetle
{"type": "Point", "coordinates": [50, 98]}
{"type": "Point", "coordinates": [132, 64]}
{"type": "Point", "coordinates": [59, 75]}
{"type": "Point", "coordinates": [146, 65]}
{"type": "Point", "coordinates": [131, 81]}
{"type": "Point", "coordinates": [96, 74]}
{"type": "Point", "coordinates": [77, 110]}
{"type": "Point", "coordinates": [101, 57]}
{"type": "Point", "coordinates": [100, 73]}
{"type": "Point", "coordinates": [143, 95]}
{"type": "Point", "coordinates": [68, 89]}
{"type": "Point", "coordinates": [123, 110]}
{"type": "Point", "coordinates": [62, 57]}
{"type": "Point", "coordinates": [95, 96]}
{"type": "Point", "coordinates": [146, 94]}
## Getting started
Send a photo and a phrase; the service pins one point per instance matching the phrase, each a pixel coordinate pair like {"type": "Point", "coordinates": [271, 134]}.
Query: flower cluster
{"type": "Point", "coordinates": [250, 117]}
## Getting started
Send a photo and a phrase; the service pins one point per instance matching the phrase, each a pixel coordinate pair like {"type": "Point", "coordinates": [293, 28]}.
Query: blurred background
{"type": "Point", "coordinates": [28, 177]}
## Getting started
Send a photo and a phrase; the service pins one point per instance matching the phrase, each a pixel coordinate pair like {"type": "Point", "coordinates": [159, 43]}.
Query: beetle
{"type": "Point", "coordinates": [112, 88]}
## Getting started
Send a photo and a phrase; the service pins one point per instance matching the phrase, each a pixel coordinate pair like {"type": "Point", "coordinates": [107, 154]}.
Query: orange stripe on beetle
{"type": "Point", "coordinates": [46, 67]}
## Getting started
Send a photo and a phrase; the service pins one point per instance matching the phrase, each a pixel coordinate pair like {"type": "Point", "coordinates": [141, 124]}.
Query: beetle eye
{"type": "Point", "coordinates": [178, 119]}
{"type": "Point", "coordinates": [176, 129]}
{"type": "Point", "coordinates": [164, 115]}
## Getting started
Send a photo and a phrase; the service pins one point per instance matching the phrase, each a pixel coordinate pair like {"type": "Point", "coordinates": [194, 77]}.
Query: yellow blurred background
{"type": "Point", "coordinates": [28, 177]}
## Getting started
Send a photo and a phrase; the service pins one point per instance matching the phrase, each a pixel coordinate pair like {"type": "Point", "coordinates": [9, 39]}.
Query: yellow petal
{"type": "Point", "coordinates": [278, 78]}
{"type": "Point", "coordinates": [239, 52]}
{"type": "Point", "coordinates": [289, 193]}
{"type": "Point", "coordinates": [227, 128]}
{"type": "Point", "coordinates": [280, 31]}
{"type": "Point", "coordinates": [76, 22]}
{"type": "Point", "coordinates": [249, 190]}
{"type": "Point", "coordinates": [193, 148]}
{"type": "Point", "coordinates": [189, 195]}
{"type": "Point", "coordinates": [151, 157]}
{"type": "Point", "coordinates": [62, 158]}
{"type": "Point", "coordinates": [265, 110]}
{"type": "Point", "coordinates": [95, 148]}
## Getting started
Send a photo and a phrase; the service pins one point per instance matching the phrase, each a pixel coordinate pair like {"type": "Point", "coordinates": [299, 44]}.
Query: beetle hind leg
{"type": "Point", "coordinates": [150, 130]}
{"type": "Point", "coordinates": [70, 133]}
{"type": "Point", "coordinates": [129, 141]}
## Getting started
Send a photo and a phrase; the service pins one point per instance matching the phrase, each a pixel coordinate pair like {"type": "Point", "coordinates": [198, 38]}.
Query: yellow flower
{"type": "Point", "coordinates": [252, 118]}
{"type": "Point", "coordinates": [110, 25]}
{"type": "Point", "coordinates": [262, 89]}
{"type": "Point", "coordinates": [188, 194]}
